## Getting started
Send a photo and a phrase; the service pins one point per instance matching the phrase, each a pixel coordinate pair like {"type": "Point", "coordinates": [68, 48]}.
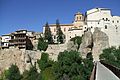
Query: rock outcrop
{"type": "Point", "coordinates": [71, 46]}
{"type": "Point", "coordinates": [100, 42]}
{"type": "Point", "coordinates": [24, 59]}
{"type": "Point", "coordinates": [94, 43]}
{"type": "Point", "coordinates": [87, 43]}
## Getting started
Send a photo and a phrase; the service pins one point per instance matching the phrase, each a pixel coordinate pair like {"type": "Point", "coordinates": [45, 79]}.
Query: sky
{"type": "Point", "coordinates": [33, 14]}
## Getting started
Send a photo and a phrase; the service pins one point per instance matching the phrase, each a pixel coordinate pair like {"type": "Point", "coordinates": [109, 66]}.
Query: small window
{"type": "Point", "coordinates": [70, 36]}
{"type": "Point", "coordinates": [64, 29]}
{"type": "Point", "coordinates": [85, 27]}
{"type": "Point", "coordinates": [54, 30]}
{"type": "Point", "coordinates": [54, 37]}
{"type": "Point", "coordinates": [112, 21]}
{"type": "Point", "coordinates": [106, 19]}
{"type": "Point", "coordinates": [117, 21]}
{"type": "Point", "coordinates": [75, 35]}
{"type": "Point", "coordinates": [103, 18]}
{"type": "Point", "coordinates": [105, 26]}
{"type": "Point", "coordinates": [98, 22]}
{"type": "Point", "coordinates": [80, 18]}
{"type": "Point", "coordinates": [91, 27]}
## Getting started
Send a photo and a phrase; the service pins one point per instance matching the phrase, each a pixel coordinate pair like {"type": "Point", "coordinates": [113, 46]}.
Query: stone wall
{"type": "Point", "coordinates": [53, 50]}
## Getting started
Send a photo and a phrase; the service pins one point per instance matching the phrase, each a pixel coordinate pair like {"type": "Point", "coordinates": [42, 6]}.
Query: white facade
{"type": "Point", "coordinates": [69, 30]}
{"type": "Point", "coordinates": [5, 40]}
{"type": "Point", "coordinates": [102, 18]}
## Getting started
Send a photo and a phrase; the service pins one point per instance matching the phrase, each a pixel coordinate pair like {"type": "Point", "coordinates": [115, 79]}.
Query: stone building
{"type": "Point", "coordinates": [21, 40]}
{"type": "Point", "coordinates": [103, 19]}
{"type": "Point", "coordinates": [69, 30]}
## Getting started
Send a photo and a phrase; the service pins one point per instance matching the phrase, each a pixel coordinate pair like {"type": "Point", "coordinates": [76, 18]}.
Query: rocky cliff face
{"type": "Point", "coordinates": [87, 43]}
{"type": "Point", "coordinates": [94, 43]}
{"type": "Point", "coordinates": [24, 59]}
{"type": "Point", "coordinates": [100, 42]}
{"type": "Point", "coordinates": [71, 46]}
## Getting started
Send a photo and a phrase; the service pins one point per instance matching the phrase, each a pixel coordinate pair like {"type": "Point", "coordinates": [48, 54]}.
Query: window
{"type": "Point", "coordinates": [106, 19]}
{"type": "Point", "coordinates": [80, 18]}
{"type": "Point", "coordinates": [117, 21]}
{"type": "Point", "coordinates": [54, 29]}
{"type": "Point", "coordinates": [103, 18]}
{"type": "Point", "coordinates": [75, 35]}
{"type": "Point", "coordinates": [70, 36]}
{"type": "Point", "coordinates": [64, 29]}
{"type": "Point", "coordinates": [54, 37]}
{"type": "Point", "coordinates": [112, 21]}
{"type": "Point", "coordinates": [105, 26]}
{"type": "Point", "coordinates": [91, 27]}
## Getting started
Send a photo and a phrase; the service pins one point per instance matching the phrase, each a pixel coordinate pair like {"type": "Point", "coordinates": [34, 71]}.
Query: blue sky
{"type": "Point", "coordinates": [33, 14]}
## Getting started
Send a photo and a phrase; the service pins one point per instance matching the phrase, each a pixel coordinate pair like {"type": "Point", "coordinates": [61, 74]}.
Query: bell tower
{"type": "Point", "coordinates": [78, 17]}
{"type": "Point", "coordinates": [78, 20]}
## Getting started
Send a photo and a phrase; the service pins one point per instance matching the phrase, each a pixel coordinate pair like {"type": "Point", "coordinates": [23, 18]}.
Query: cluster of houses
{"type": "Point", "coordinates": [97, 17]}
{"type": "Point", "coordinates": [21, 39]}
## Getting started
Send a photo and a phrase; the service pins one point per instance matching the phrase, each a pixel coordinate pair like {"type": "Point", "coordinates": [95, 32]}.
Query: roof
{"type": "Point", "coordinates": [6, 35]}
{"type": "Point", "coordinates": [21, 30]}
{"type": "Point", "coordinates": [96, 10]}
{"type": "Point", "coordinates": [78, 13]}
{"type": "Point", "coordinates": [61, 25]}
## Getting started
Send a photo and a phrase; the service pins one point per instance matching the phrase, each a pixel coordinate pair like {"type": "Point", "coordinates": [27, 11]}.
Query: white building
{"type": "Point", "coordinates": [69, 30]}
{"type": "Point", "coordinates": [103, 19]}
{"type": "Point", "coordinates": [5, 41]}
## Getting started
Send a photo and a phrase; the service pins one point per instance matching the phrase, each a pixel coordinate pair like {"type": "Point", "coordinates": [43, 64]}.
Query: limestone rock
{"type": "Point", "coordinates": [71, 46]}
{"type": "Point", "coordinates": [100, 42]}
{"type": "Point", "coordinates": [24, 59]}
{"type": "Point", "coordinates": [86, 44]}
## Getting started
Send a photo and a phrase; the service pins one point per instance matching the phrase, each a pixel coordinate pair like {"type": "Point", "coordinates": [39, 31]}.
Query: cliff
{"type": "Point", "coordinates": [24, 59]}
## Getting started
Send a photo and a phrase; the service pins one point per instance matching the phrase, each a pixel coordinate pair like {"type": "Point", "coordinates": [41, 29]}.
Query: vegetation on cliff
{"type": "Point", "coordinates": [69, 66]}
{"type": "Point", "coordinates": [111, 56]}
{"type": "Point", "coordinates": [42, 44]}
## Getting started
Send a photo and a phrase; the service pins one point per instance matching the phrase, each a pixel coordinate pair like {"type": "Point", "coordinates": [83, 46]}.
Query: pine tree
{"type": "Point", "coordinates": [47, 34]}
{"type": "Point", "coordinates": [59, 32]}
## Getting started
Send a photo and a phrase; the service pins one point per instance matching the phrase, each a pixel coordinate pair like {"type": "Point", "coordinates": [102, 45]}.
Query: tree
{"type": "Point", "coordinates": [47, 34]}
{"type": "Point", "coordinates": [13, 73]}
{"type": "Point", "coordinates": [59, 33]}
{"type": "Point", "coordinates": [77, 40]}
{"type": "Point", "coordinates": [111, 56]}
{"type": "Point", "coordinates": [46, 67]}
{"type": "Point", "coordinates": [69, 64]}
{"type": "Point", "coordinates": [42, 44]}
{"type": "Point", "coordinates": [32, 74]}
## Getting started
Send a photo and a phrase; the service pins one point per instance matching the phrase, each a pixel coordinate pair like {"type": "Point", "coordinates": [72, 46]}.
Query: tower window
{"type": "Point", "coordinates": [105, 26]}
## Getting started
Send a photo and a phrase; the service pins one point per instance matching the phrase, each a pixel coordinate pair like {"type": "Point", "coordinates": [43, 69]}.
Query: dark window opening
{"type": "Point", "coordinates": [117, 21]}
{"type": "Point", "coordinates": [113, 21]}
{"type": "Point", "coordinates": [105, 26]}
